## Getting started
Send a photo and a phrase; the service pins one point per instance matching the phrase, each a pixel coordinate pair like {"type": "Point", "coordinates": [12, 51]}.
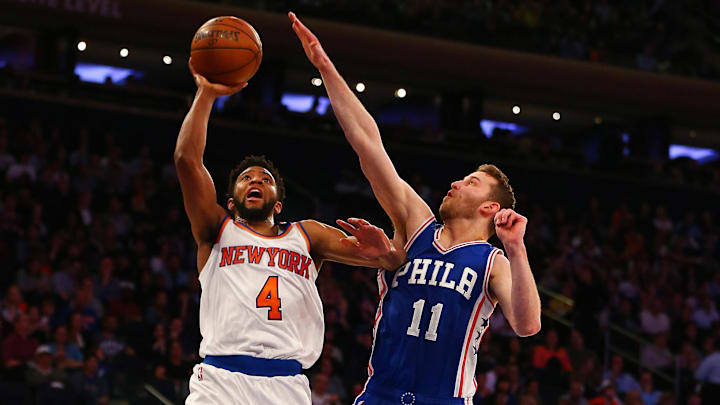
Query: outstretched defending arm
{"type": "Point", "coordinates": [197, 186]}
{"type": "Point", "coordinates": [368, 246]}
{"type": "Point", "coordinates": [511, 281]}
{"type": "Point", "coordinates": [402, 204]}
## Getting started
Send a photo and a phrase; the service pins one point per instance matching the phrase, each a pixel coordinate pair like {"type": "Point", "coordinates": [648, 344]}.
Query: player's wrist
{"type": "Point", "coordinates": [204, 93]}
{"type": "Point", "coordinates": [513, 247]}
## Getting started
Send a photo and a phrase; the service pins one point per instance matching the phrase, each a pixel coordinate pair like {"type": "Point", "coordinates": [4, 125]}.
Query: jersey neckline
{"type": "Point", "coordinates": [247, 228]}
{"type": "Point", "coordinates": [443, 250]}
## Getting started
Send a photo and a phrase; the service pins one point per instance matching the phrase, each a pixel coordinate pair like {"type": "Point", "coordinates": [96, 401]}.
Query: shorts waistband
{"type": "Point", "coordinates": [255, 366]}
{"type": "Point", "coordinates": [407, 397]}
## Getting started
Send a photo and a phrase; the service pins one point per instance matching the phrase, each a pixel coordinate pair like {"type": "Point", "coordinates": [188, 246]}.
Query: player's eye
{"type": "Point", "coordinates": [266, 180]}
{"type": "Point", "coordinates": [245, 177]}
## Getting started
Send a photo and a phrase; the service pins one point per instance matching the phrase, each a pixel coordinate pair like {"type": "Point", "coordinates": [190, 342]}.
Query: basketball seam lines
{"type": "Point", "coordinates": [233, 70]}
{"type": "Point", "coordinates": [239, 29]}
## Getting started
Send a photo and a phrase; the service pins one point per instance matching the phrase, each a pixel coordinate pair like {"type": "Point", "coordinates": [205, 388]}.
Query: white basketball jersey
{"type": "Point", "coordinates": [259, 296]}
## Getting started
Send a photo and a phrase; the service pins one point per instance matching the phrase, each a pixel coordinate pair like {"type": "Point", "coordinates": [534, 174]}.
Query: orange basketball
{"type": "Point", "coordinates": [226, 50]}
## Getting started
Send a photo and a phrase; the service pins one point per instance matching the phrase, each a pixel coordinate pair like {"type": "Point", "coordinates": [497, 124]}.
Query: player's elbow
{"type": "Point", "coordinates": [183, 158]}
{"type": "Point", "coordinates": [528, 328]}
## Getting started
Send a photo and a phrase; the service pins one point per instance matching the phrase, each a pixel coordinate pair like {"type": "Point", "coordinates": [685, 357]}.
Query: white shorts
{"type": "Point", "coordinates": [213, 385]}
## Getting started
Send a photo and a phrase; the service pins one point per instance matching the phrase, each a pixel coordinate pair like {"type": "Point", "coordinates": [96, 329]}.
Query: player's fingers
{"type": "Point", "coordinates": [358, 222]}
{"type": "Point", "coordinates": [192, 69]}
{"type": "Point", "coordinates": [506, 215]}
{"type": "Point", "coordinates": [346, 226]}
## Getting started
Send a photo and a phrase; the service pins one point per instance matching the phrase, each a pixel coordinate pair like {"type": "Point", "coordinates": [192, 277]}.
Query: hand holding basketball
{"type": "Point", "coordinates": [213, 89]}
{"type": "Point", "coordinates": [310, 43]}
{"type": "Point", "coordinates": [510, 226]}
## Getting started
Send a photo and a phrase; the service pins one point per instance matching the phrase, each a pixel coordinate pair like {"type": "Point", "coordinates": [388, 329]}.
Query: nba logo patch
{"type": "Point", "coordinates": [200, 373]}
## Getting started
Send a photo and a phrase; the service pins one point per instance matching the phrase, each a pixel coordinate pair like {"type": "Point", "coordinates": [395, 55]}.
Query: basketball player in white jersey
{"type": "Point", "coordinates": [261, 317]}
{"type": "Point", "coordinates": [474, 276]}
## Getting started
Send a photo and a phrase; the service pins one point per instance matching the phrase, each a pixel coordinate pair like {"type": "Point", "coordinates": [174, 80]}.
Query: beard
{"type": "Point", "coordinates": [254, 214]}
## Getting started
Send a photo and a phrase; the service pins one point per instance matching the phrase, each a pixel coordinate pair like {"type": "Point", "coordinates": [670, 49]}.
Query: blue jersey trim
{"type": "Point", "coordinates": [302, 228]}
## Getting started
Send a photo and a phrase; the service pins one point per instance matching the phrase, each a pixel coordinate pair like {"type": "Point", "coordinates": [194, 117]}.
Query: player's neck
{"type": "Point", "coordinates": [460, 230]}
{"type": "Point", "coordinates": [265, 227]}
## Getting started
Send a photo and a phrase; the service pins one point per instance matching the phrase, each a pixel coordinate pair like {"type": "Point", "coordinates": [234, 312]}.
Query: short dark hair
{"type": "Point", "coordinates": [502, 193]}
{"type": "Point", "coordinates": [260, 161]}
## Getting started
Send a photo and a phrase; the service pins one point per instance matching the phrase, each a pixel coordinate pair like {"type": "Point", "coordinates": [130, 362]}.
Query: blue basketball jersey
{"type": "Point", "coordinates": [432, 315]}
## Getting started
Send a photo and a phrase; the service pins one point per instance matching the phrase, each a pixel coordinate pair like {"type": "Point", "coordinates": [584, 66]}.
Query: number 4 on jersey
{"type": "Point", "coordinates": [269, 298]}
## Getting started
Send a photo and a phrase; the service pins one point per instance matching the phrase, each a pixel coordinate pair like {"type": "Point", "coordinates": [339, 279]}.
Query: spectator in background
{"type": "Point", "coordinates": [177, 367]}
{"type": "Point", "coordinates": [607, 395]}
{"type": "Point", "coordinates": [623, 381]}
{"type": "Point", "coordinates": [657, 355]}
{"type": "Point", "coordinates": [706, 313]}
{"type": "Point", "coordinates": [577, 353]}
{"type": "Point", "coordinates": [162, 383]}
{"type": "Point", "coordinates": [109, 342]}
{"type": "Point", "coordinates": [21, 169]}
{"type": "Point", "coordinates": [159, 342]}
{"type": "Point", "coordinates": [90, 386]}
{"type": "Point", "coordinates": [653, 319]}
{"type": "Point", "coordinates": [66, 355]}
{"type": "Point", "coordinates": [633, 397]}
{"type": "Point", "coordinates": [650, 395]}
{"type": "Point", "coordinates": [13, 304]}
{"type": "Point", "coordinates": [19, 347]}
{"type": "Point", "coordinates": [41, 372]}
{"type": "Point", "coordinates": [708, 374]}
{"type": "Point", "coordinates": [77, 330]}
{"type": "Point", "coordinates": [335, 384]}
{"type": "Point", "coordinates": [319, 393]}
{"type": "Point", "coordinates": [543, 353]}
{"type": "Point", "coordinates": [575, 395]}
{"type": "Point", "coordinates": [106, 284]}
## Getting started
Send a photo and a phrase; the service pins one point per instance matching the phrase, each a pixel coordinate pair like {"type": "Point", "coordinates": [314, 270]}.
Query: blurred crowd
{"type": "Point", "coordinates": [666, 36]}
{"type": "Point", "coordinates": [100, 292]}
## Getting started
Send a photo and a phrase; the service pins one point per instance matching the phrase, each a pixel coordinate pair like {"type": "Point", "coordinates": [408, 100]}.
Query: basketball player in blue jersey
{"type": "Point", "coordinates": [435, 309]}
{"type": "Point", "coordinates": [261, 318]}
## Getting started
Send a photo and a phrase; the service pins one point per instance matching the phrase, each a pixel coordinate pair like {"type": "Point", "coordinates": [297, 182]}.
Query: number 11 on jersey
{"type": "Point", "coordinates": [414, 328]}
{"type": "Point", "coordinates": [269, 298]}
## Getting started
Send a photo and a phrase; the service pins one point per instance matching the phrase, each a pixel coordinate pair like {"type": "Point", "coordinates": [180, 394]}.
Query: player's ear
{"type": "Point", "coordinates": [277, 208]}
{"type": "Point", "coordinates": [231, 204]}
{"type": "Point", "coordinates": [489, 208]}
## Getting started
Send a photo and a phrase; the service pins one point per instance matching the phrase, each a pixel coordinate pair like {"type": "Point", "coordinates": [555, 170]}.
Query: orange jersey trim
{"type": "Point", "coordinates": [247, 228]}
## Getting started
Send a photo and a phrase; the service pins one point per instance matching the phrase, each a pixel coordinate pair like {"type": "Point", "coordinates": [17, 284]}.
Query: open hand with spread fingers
{"type": "Point", "coordinates": [310, 43]}
{"type": "Point", "coordinates": [369, 241]}
{"type": "Point", "coordinates": [510, 226]}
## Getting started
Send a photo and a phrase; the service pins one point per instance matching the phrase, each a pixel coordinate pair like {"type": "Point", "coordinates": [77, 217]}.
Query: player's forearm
{"type": "Point", "coordinates": [193, 133]}
{"type": "Point", "coordinates": [525, 298]}
{"type": "Point", "coordinates": [357, 123]}
{"type": "Point", "coordinates": [392, 260]}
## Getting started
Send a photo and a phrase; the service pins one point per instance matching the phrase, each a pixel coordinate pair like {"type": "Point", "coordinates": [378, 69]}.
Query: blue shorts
{"type": "Point", "coordinates": [401, 397]}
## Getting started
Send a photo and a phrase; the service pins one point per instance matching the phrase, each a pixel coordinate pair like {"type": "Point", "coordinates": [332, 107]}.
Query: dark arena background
{"type": "Point", "coordinates": [605, 115]}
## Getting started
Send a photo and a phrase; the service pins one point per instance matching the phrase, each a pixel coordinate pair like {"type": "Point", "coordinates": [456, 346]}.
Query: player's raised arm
{"type": "Point", "coordinates": [404, 206]}
{"type": "Point", "coordinates": [512, 282]}
{"type": "Point", "coordinates": [197, 186]}
{"type": "Point", "coordinates": [367, 246]}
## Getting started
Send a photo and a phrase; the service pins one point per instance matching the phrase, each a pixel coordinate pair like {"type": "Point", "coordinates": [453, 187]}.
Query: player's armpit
{"type": "Point", "coordinates": [368, 247]}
